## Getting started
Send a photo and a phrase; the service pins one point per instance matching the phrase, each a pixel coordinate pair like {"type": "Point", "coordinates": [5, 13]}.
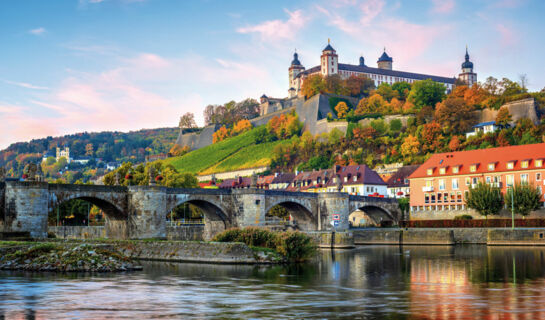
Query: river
{"type": "Point", "coordinates": [385, 282]}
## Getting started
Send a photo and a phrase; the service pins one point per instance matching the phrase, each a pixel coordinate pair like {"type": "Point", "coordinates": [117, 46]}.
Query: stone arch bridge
{"type": "Point", "coordinates": [138, 212]}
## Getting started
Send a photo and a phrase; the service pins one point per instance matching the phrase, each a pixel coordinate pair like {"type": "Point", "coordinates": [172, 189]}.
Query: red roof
{"type": "Point", "coordinates": [482, 157]}
{"type": "Point", "coordinates": [324, 178]}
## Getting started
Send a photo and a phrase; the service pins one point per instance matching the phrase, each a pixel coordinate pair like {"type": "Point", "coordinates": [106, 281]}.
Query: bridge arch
{"type": "Point", "coordinates": [115, 217]}
{"type": "Point", "coordinates": [379, 215]}
{"type": "Point", "coordinates": [299, 211]}
{"type": "Point", "coordinates": [215, 216]}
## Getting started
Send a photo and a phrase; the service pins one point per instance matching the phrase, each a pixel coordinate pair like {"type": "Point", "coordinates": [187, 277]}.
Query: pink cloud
{"type": "Point", "coordinates": [507, 36]}
{"type": "Point", "coordinates": [275, 30]}
{"type": "Point", "coordinates": [443, 6]}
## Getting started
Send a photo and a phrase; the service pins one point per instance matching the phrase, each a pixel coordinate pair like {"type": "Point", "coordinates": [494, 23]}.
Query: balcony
{"type": "Point", "coordinates": [427, 189]}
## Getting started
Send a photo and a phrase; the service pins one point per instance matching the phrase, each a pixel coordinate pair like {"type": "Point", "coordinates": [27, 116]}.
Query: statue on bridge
{"type": "Point", "coordinates": [29, 172]}
{"type": "Point", "coordinates": [152, 175]}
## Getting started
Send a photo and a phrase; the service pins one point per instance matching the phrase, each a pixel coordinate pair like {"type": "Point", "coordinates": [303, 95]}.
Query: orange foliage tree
{"type": "Point", "coordinates": [342, 109]}
{"type": "Point", "coordinates": [220, 135]}
{"type": "Point", "coordinates": [432, 136]}
{"type": "Point", "coordinates": [240, 127]}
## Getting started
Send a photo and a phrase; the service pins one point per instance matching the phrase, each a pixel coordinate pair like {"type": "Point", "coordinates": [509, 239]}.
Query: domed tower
{"type": "Point", "coordinates": [295, 68]}
{"type": "Point", "coordinates": [467, 75]}
{"type": "Point", "coordinates": [329, 60]}
{"type": "Point", "coordinates": [385, 61]}
{"type": "Point", "coordinates": [362, 62]}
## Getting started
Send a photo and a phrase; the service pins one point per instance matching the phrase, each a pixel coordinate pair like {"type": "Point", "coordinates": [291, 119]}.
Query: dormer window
{"type": "Point", "coordinates": [510, 164]}
{"type": "Point", "coordinates": [473, 168]}
{"type": "Point", "coordinates": [442, 170]}
{"type": "Point", "coordinates": [539, 163]}
{"type": "Point", "coordinates": [491, 166]}
{"type": "Point", "coordinates": [430, 171]}
{"type": "Point", "coordinates": [355, 178]}
{"type": "Point", "coordinates": [524, 164]}
{"type": "Point", "coordinates": [345, 179]}
{"type": "Point", "coordinates": [455, 169]}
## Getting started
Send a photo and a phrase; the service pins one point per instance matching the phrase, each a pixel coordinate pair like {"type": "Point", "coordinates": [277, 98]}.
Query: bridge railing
{"type": "Point", "coordinates": [185, 222]}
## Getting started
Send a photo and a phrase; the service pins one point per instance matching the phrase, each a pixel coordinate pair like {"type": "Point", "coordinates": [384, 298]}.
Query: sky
{"type": "Point", "coordinates": [94, 65]}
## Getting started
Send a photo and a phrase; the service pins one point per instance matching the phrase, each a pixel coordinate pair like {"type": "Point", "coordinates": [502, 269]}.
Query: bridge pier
{"type": "Point", "coordinates": [333, 207]}
{"type": "Point", "coordinates": [25, 208]}
{"type": "Point", "coordinates": [147, 212]}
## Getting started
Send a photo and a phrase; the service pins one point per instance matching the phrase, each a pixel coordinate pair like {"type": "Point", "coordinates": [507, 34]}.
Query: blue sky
{"type": "Point", "coordinates": [93, 65]}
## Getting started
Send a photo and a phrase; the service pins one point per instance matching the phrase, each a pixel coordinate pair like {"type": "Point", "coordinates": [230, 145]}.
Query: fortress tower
{"type": "Point", "coordinates": [329, 60]}
{"type": "Point", "coordinates": [295, 68]}
{"type": "Point", "coordinates": [467, 75]}
{"type": "Point", "coordinates": [385, 61]}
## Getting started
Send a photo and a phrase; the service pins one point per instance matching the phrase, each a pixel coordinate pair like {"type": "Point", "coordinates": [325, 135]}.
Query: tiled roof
{"type": "Point", "coordinates": [398, 178]}
{"type": "Point", "coordinates": [363, 174]}
{"type": "Point", "coordinates": [482, 124]}
{"type": "Point", "coordinates": [385, 72]}
{"type": "Point", "coordinates": [284, 177]}
{"type": "Point", "coordinates": [482, 158]}
{"type": "Point", "coordinates": [242, 182]}
{"type": "Point", "coordinates": [265, 180]}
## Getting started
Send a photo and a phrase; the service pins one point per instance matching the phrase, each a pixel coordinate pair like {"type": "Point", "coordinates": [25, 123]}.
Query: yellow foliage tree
{"type": "Point", "coordinates": [410, 146]}
{"type": "Point", "coordinates": [241, 126]}
{"type": "Point", "coordinates": [342, 109]}
{"type": "Point", "coordinates": [220, 135]}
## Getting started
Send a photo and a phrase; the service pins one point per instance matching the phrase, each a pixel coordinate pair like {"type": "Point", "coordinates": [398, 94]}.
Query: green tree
{"type": "Point", "coordinates": [485, 199]}
{"type": "Point", "coordinates": [403, 88]}
{"type": "Point", "coordinates": [524, 198]}
{"type": "Point", "coordinates": [386, 91]}
{"type": "Point", "coordinates": [426, 93]}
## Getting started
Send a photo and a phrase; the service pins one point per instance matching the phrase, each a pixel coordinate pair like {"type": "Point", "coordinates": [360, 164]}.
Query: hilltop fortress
{"type": "Point", "coordinates": [313, 111]}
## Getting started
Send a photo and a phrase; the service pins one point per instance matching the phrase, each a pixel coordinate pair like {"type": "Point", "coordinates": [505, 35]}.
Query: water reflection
{"type": "Point", "coordinates": [370, 282]}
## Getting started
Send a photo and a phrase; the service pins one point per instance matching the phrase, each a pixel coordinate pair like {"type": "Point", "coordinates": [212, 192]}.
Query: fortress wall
{"type": "Point", "coordinates": [520, 109]}
{"type": "Point", "coordinates": [404, 119]}
{"type": "Point", "coordinates": [323, 126]}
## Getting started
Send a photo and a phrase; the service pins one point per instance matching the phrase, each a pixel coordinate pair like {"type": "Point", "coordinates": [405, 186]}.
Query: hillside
{"type": "Point", "coordinates": [131, 146]}
{"type": "Point", "coordinates": [239, 152]}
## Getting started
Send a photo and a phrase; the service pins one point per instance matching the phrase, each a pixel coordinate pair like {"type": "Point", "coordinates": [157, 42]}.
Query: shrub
{"type": "Point", "coordinates": [296, 246]}
{"type": "Point", "coordinates": [293, 246]}
{"type": "Point", "coordinates": [463, 217]}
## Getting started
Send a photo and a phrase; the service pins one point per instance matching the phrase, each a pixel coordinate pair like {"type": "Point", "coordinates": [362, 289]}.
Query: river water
{"type": "Point", "coordinates": [384, 282]}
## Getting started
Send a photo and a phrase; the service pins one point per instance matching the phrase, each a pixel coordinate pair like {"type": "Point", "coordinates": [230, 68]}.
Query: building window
{"type": "Point", "coordinates": [441, 184]}
{"type": "Point", "coordinates": [491, 166]}
{"type": "Point", "coordinates": [539, 163]}
{"type": "Point", "coordinates": [473, 168]}
{"type": "Point", "coordinates": [445, 197]}
{"type": "Point", "coordinates": [488, 180]}
{"type": "Point", "coordinates": [524, 164]}
{"type": "Point", "coordinates": [524, 178]}
{"type": "Point", "coordinates": [442, 170]}
{"type": "Point", "coordinates": [468, 181]}
{"type": "Point", "coordinates": [454, 184]}
{"type": "Point", "coordinates": [538, 176]}
{"type": "Point", "coordinates": [427, 198]}
{"type": "Point", "coordinates": [429, 183]}
{"type": "Point", "coordinates": [474, 180]}
{"type": "Point", "coordinates": [452, 197]}
{"type": "Point", "coordinates": [510, 165]}
{"type": "Point", "coordinates": [433, 198]}
{"type": "Point", "coordinates": [455, 169]}
{"type": "Point", "coordinates": [459, 196]}
{"type": "Point", "coordinates": [439, 198]}
{"type": "Point", "coordinates": [509, 180]}
{"type": "Point", "coordinates": [430, 171]}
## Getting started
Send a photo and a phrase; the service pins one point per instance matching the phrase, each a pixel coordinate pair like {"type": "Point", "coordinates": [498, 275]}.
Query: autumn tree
{"type": "Point", "coordinates": [312, 85]}
{"type": "Point", "coordinates": [359, 85]}
{"type": "Point", "coordinates": [187, 121]}
{"type": "Point", "coordinates": [373, 104]}
{"type": "Point", "coordinates": [403, 88]}
{"type": "Point", "coordinates": [410, 146]}
{"type": "Point", "coordinates": [342, 109]}
{"type": "Point", "coordinates": [240, 127]}
{"type": "Point", "coordinates": [386, 91]}
{"type": "Point", "coordinates": [503, 118]}
{"type": "Point", "coordinates": [454, 144]}
{"type": "Point", "coordinates": [432, 136]}
{"type": "Point", "coordinates": [221, 134]}
{"type": "Point", "coordinates": [454, 114]}
{"type": "Point", "coordinates": [177, 150]}
{"type": "Point", "coordinates": [426, 93]}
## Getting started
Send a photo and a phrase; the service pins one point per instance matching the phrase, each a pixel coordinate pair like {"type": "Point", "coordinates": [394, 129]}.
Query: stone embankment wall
{"type": "Point", "coordinates": [338, 240]}
{"type": "Point", "coordinates": [517, 237]}
{"type": "Point", "coordinates": [185, 233]}
{"type": "Point", "coordinates": [205, 252]}
{"type": "Point", "coordinates": [451, 214]}
{"type": "Point", "coordinates": [405, 236]}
